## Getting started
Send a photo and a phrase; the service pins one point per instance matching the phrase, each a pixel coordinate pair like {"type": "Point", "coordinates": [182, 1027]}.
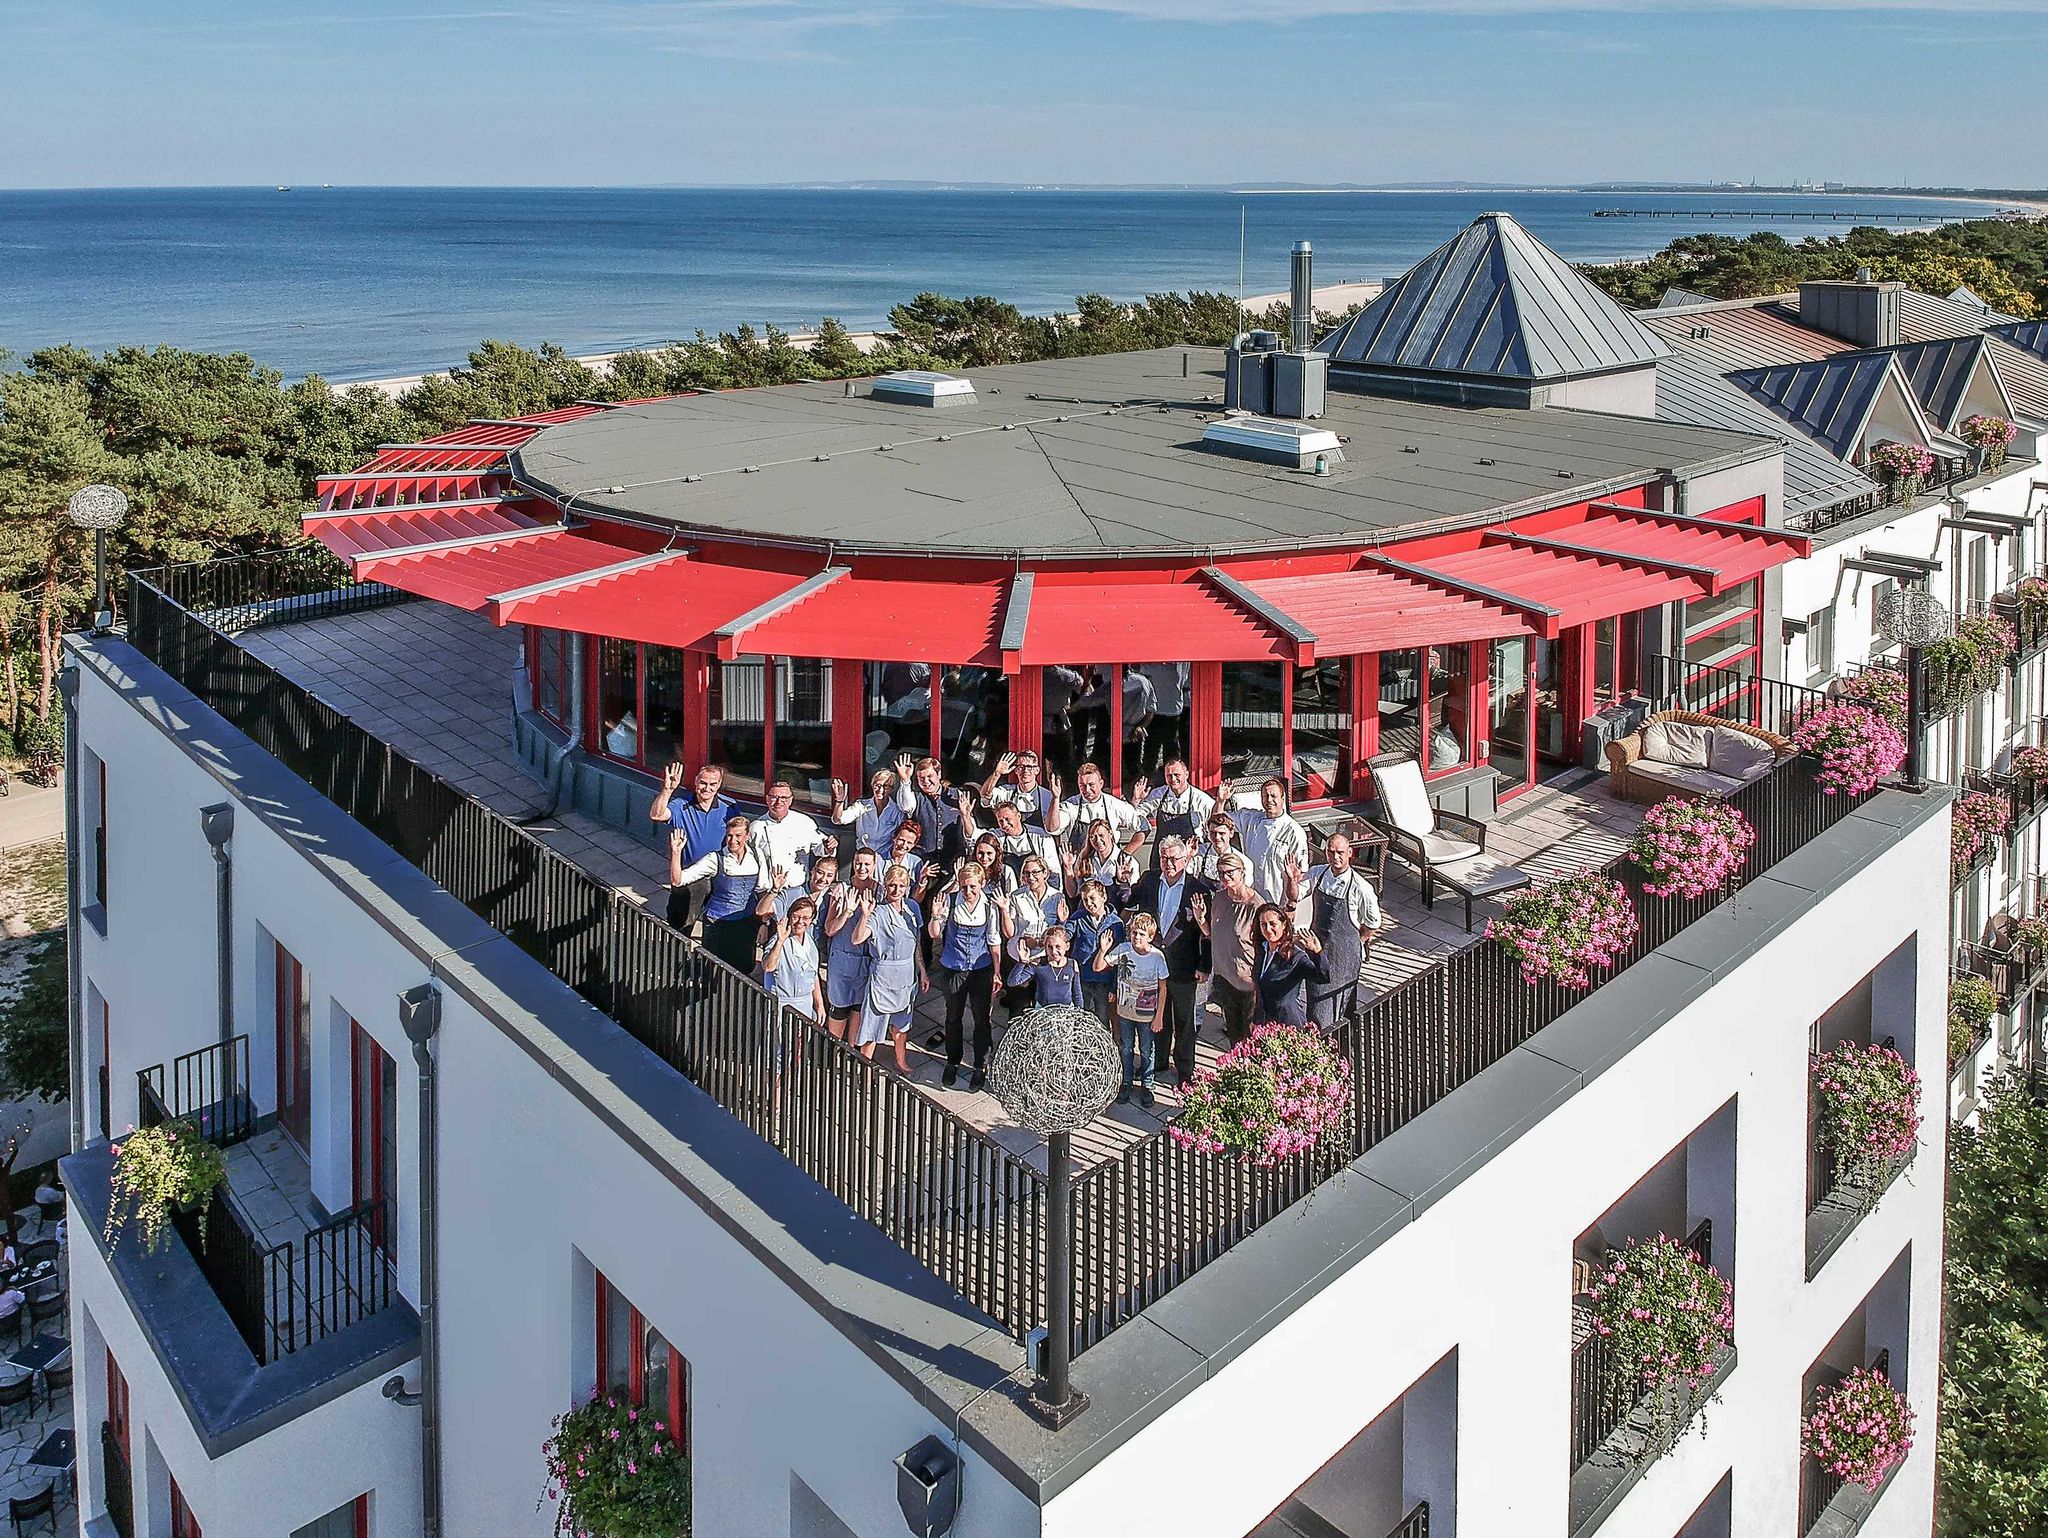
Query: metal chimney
{"type": "Point", "coordinates": [1301, 297]}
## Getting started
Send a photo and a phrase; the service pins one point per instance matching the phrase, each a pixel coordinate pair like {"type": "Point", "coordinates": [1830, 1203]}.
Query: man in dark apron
{"type": "Point", "coordinates": [1176, 809]}
{"type": "Point", "coordinates": [1345, 918]}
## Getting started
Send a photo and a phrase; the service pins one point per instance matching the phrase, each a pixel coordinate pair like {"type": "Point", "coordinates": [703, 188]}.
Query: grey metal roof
{"type": "Point", "coordinates": [1084, 457]}
{"type": "Point", "coordinates": [1830, 398]}
{"type": "Point", "coordinates": [1676, 298]}
{"type": "Point", "coordinates": [1496, 302]}
{"type": "Point", "coordinates": [1939, 373]}
{"type": "Point", "coordinates": [1924, 318]}
{"type": "Point", "coordinates": [1814, 478]}
{"type": "Point", "coordinates": [2027, 335]}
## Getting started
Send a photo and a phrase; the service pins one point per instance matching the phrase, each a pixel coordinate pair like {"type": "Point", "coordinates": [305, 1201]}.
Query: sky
{"type": "Point", "coordinates": [1242, 92]}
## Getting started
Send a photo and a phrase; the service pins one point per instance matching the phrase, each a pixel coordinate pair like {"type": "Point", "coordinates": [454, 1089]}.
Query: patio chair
{"type": "Point", "coordinates": [1416, 829]}
{"type": "Point", "coordinates": [22, 1391]}
{"type": "Point", "coordinates": [56, 1380]}
{"type": "Point", "coordinates": [42, 1311]}
{"type": "Point", "coordinates": [32, 1508]}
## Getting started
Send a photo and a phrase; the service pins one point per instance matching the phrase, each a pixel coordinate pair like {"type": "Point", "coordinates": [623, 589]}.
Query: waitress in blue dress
{"type": "Point", "coordinates": [846, 968]}
{"type": "Point", "coordinates": [737, 879]}
{"type": "Point", "coordinates": [887, 934]}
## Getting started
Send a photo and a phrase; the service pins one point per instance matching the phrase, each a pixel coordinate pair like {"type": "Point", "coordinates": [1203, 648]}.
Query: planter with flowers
{"type": "Point", "coordinates": [1860, 1430]}
{"type": "Point", "coordinates": [2029, 606]}
{"type": "Point", "coordinates": [1281, 1091]}
{"type": "Point", "coordinates": [1855, 747]}
{"type": "Point", "coordinates": [1869, 1101]}
{"type": "Point", "coordinates": [2030, 940]}
{"type": "Point", "coordinates": [1967, 662]}
{"type": "Point", "coordinates": [614, 1471]}
{"type": "Point", "coordinates": [1990, 436]}
{"type": "Point", "coordinates": [1691, 848]}
{"type": "Point", "coordinates": [1903, 467]}
{"type": "Point", "coordinates": [1976, 822]}
{"type": "Point", "coordinates": [1665, 1320]}
{"type": "Point", "coordinates": [159, 1168]}
{"type": "Point", "coordinates": [1567, 929]}
{"type": "Point", "coordinates": [1971, 1004]}
{"type": "Point", "coordinates": [2030, 766]}
{"type": "Point", "coordinates": [1880, 689]}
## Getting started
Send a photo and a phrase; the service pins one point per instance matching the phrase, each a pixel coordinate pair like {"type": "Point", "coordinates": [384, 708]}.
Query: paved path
{"type": "Point", "coordinates": [30, 813]}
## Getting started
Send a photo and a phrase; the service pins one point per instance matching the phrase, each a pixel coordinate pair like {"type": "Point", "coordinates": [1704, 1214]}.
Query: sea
{"type": "Point", "coordinates": [371, 282]}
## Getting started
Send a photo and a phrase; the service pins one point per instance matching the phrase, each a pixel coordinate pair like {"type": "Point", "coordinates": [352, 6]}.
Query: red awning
{"type": "Point", "coordinates": [883, 619]}
{"type": "Point", "coordinates": [1144, 622]}
{"type": "Point", "coordinates": [354, 535]}
{"type": "Point", "coordinates": [1734, 552]}
{"type": "Point", "coordinates": [1373, 610]}
{"type": "Point", "coordinates": [670, 603]}
{"type": "Point", "coordinates": [1557, 589]}
{"type": "Point", "coordinates": [469, 576]}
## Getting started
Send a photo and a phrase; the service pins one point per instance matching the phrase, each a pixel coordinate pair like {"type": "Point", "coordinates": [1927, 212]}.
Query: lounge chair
{"type": "Point", "coordinates": [1416, 829]}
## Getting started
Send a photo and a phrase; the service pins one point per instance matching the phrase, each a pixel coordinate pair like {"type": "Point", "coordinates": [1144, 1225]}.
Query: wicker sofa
{"type": "Point", "coordinates": [1688, 753]}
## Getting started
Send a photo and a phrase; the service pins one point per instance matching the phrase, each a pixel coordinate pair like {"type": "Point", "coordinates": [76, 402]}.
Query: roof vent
{"type": "Point", "coordinates": [1297, 445]}
{"type": "Point", "coordinates": [923, 387]}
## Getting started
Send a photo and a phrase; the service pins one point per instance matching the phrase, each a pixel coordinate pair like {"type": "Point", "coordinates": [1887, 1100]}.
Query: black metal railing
{"type": "Point", "coordinates": [1415, 1524]}
{"type": "Point", "coordinates": [1818, 1486]}
{"type": "Point", "coordinates": [964, 1206]}
{"type": "Point", "coordinates": [117, 1483]}
{"type": "Point", "coordinates": [1602, 1400]}
{"type": "Point", "coordinates": [343, 1273]}
{"type": "Point", "coordinates": [1770, 704]}
{"type": "Point", "coordinates": [253, 1285]}
{"type": "Point", "coordinates": [208, 1087]}
{"type": "Point", "coordinates": [2029, 622]}
{"type": "Point", "coordinates": [968, 1209]}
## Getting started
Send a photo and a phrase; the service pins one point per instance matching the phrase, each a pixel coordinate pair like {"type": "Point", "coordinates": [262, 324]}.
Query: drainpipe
{"type": "Point", "coordinates": [217, 822]}
{"type": "Point", "coordinates": [74, 963]}
{"type": "Point", "coordinates": [419, 1011]}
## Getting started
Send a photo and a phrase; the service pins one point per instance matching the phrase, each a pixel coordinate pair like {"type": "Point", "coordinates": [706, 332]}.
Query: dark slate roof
{"type": "Point", "coordinates": [1829, 398]}
{"type": "Point", "coordinates": [1814, 478]}
{"type": "Point", "coordinates": [1085, 457]}
{"type": "Point", "coordinates": [1939, 373]}
{"type": "Point", "coordinates": [1497, 303]}
{"type": "Point", "coordinates": [2027, 335]}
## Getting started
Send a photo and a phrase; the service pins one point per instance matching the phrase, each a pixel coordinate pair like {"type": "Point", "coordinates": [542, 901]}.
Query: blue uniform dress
{"type": "Point", "coordinates": [891, 949]}
{"type": "Point", "coordinates": [846, 966]}
{"type": "Point", "coordinates": [795, 974]}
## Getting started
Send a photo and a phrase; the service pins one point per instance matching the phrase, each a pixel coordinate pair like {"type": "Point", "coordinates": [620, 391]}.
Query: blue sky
{"type": "Point", "coordinates": [461, 92]}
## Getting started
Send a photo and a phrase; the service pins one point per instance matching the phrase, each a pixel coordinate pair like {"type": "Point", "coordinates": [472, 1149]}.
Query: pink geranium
{"type": "Point", "coordinates": [1860, 1430]}
{"type": "Point", "coordinates": [1869, 1101]}
{"type": "Point", "coordinates": [1277, 1093]}
{"type": "Point", "coordinates": [1691, 848]}
{"type": "Point", "coordinates": [1566, 929]}
{"type": "Point", "coordinates": [1975, 821]}
{"type": "Point", "coordinates": [1880, 689]}
{"type": "Point", "coordinates": [1856, 747]}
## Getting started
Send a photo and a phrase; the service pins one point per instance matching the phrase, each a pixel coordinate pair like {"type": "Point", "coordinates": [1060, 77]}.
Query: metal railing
{"type": "Point", "coordinates": [1415, 1524]}
{"type": "Point", "coordinates": [208, 1087]}
{"type": "Point", "coordinates": [1769, 704]}
{"type": "Point", "coordinates": [965, 1207]}
{"type": "Point", "coordinates": [1603, 1400]}
{"type": "Point", "coordinates": [2029, 622]}
{"type": "Point", "coordinates": [251, 1279]}
{"type": "Point", "coordinates": [117, 1482]}
{"type": "Point", "coordinates": [1818, 1486]}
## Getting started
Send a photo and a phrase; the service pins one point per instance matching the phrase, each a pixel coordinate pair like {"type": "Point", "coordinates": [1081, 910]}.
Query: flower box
{"type": "Point", "coordinates": [1282, 1091]}
{"type": "Point", "coordinates": [1566, 930]}
{"type": "Point", "coordinates": [1689, 848]}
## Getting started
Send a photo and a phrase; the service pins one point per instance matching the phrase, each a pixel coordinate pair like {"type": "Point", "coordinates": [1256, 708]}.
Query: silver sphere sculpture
{"type": "Point", "coordinates": [1911, 616]}
{"type": "Point", "coordinates": [1056, 1069]}
{"type": "Point", "coordinates": [97, 507]}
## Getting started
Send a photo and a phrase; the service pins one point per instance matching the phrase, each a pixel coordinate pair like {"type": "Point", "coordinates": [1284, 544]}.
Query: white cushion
{"type": "Point", "coordinates": [1441, 847]}
{"type": "Point", "coordinates": [1700, 781]}
{"type": "Point", "coordinates": [1403, 798]}
{"type": "Point", "coordinates": [1676, 742]}
{"type": "Point", "coordinates": [1739, 755]}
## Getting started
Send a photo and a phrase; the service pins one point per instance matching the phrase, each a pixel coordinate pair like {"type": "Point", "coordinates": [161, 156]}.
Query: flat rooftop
{"type": "Point", "coordinates": [1082, 457]}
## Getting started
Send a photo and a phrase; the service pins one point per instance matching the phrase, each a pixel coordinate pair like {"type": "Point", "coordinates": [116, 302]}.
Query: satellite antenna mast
{"type": "Point", "coordinates": [1240, 267]}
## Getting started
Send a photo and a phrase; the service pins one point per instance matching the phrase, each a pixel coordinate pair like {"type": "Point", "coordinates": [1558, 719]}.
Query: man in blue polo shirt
{"type": "Point", "coordinates": [698, 821]}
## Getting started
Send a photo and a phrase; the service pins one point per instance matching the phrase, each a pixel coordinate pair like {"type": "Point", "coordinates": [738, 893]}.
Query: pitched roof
{"type": "Point", "coordinates": [1940, 373]}
{"type": "Point", "coordinates": [2027, 335]}
{"type": "Point", "coordinates": [1831, 398]}
{"type": "Point", "coordinates": [1677, 298]}
{"type": "Point", "coordinates": [1814, 478]}
{"type": "Point", "coordinates": [1494, 301]}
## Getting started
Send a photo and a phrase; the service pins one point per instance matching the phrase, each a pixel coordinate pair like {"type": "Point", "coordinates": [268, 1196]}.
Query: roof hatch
{"type": "Point", "coordinates": [924, 387]}
{"type": "Point", "coordinates": [1297, 445]}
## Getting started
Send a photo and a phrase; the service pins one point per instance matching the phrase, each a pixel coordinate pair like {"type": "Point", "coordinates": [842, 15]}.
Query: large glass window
{"type": "Point", "coordinates": [1155, 716]}
{"type": "Point", "coordinates": [899, 716]}
{"type": "Point", "coordinates": [618, 698]}
{"type": "Point", "coordinates": [1400, 702]}
{"type": "Point", "coordinates": [1321, 748]}
{"type": "Point", "coordinates": [636, 1360]}
{"type": "Point", "coordinates": [974, 713]}
{"type": "Point", "coordinates": [1254, 712]}
{"type": "Point", "coordinates": [1508, 702]}
{"type": "Point", "coordinates": [663, 739]}
{"type": "Point", "coordinates": [350, 1521]}
{"type": "Point", "coordinates": [550, 664]}
{"type": "Point", "coordinates": [803, 726]}
{"type": "Point", "coordinates": [373, 1075]}
{"type": "Point", "coordinates": [1556, 737]}
{"type": "Point", "coordinates": [1721, 630]}
{"type": "Point", "coordinates": [1063, 718]}
{"type": "Point", "coordinates": [739, 722]}
{"type": "Point", "coordinates": [1449, 707]}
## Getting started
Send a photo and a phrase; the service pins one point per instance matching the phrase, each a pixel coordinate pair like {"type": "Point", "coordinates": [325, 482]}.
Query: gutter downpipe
{"type": "Point", "coordinates": [419, 1012]}
{"type": "Point", "coordinates": [217, 822]}
{"type": "Point", "coordinates": [74, 922]}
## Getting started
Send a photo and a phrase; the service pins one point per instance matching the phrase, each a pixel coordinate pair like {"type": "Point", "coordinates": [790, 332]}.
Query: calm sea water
{"type": "Point", "coordinates": [360, 283]}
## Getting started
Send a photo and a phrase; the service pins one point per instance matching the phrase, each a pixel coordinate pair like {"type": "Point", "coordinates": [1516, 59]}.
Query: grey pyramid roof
{"type": "Point", "coordinates": [1940, 372]}
{"type": "Point", "coordinates": [1494, 301]}
{"type": "Point", "coordinates": [1829, 399]}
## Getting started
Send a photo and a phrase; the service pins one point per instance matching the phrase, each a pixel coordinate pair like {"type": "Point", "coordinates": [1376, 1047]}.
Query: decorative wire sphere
{"type": "Point", "coordinates": [1056, 1068]}
{"type": "Point", "coordinates": [1911, 616]}
{"type": "Point", "coordinates": [97, 507]}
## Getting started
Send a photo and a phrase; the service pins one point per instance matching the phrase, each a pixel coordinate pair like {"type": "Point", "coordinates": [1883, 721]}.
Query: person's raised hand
{"type": "Point", "coordinates": [672, 777]}
{"type": "Point", "coordinates": [1006, 763]}
{"type": "Point", "coordinates": [839, 792]}
{"type": "Point", "coordinates": [1139, 787]}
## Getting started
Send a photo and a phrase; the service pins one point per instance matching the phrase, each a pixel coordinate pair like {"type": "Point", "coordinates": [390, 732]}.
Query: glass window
{"type": "Point", "coordinates": [1155, 716]}
{"type": "Point", "coordinates": [664, 734]}
{"type": "Point", "coordinates": [1322, 729]}
{"type": "Point", "coordinates": [1401, 702]}
{"type": "Point", "coordinates": [616, 1317]}
{"type": "Point", "coordinates": [1507, 694]}
{"type": "Point", "coordinates": [639, 1363]}
{"type": "Point", "coordinates": [1880, 598]}
{"type": "Point", "coordinates": [974, 710]}
{"type": "Point", "coordinates": [1820, 644]}
{"type": "Point", "coordinates": [803, 726]}
{"type": "Point", "coordinates": [1709, 613]}
{"type": "Point", "coordinates": [550, 648]}
{"type": "Point", "coordinates": [654, 1367]}
{"type": "Point", "coordinates": [1450, 706]}
{"type": "Point", "coordinates": [739, 722]}
{"type": "Point", "coordinates": [899, 717]}
{"type": "Point", "coordinates": [350, 1521]}
{"type": "Point", "coordinates": [618, 698]}
{"type": "Point", "coordinates": [1253, 712]}
{"type": "Point", "coordinates": [1063, 689]}
{"type": "Point", "coordinates": [1551, 735]}
{"type": "Point", "coordinates": [1606, 662]}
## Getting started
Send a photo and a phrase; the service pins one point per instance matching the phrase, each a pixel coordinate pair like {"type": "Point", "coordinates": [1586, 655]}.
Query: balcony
{"type": "Point", "coordinates": [397, 716]}
{"type": "Point", "coordinates": [1829, 1507]}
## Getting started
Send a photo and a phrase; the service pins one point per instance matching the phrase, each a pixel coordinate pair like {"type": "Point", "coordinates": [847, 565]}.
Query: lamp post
{"type": "Point", "coordinates": [98, 508]}
{"type": "Point", "coordinates": [1054, 1071]}
{"type": "Point", "coordinates": [1914, 618]}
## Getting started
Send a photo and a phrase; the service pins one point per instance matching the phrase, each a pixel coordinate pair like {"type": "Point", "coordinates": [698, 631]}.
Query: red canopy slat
{"type": "Point", "coordinates": [469, 576]}
{"type": "Point", "coordinates": [1144, 622]}
{"type": "Point", "coordinates": [1374, 610]}
{"type": "Point", "coordinates": [351, 536]}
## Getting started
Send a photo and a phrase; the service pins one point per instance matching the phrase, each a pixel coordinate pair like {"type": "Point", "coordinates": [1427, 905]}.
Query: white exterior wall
{"type": "Point", "coordinates": [1488, 1272]}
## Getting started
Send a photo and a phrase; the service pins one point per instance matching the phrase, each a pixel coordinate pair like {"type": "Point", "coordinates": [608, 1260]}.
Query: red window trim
{"type": "Point", "coordinates": [293, 1089]}
{"type": "Point", "coordinates": [1735, 617]}
{"type": "Point", "coordinates": [184, 1524]}
{"type": "Point", "coordinates": [366, 1057]}
{"type": "Point", "coordinates": [118, 1407]}
{"type": "Point", "coordinates": [678, 1407]}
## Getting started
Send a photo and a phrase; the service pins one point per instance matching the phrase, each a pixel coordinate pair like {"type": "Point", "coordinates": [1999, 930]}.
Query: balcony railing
{"type": "Point", "coordinates": [1415, 1524]}
{"type": "Point", "coordinates": [970, 1210]}
{"type": "Point", "coordinates": [1818, 1486]}
{"type": "Point", "coordinates": [117, 1483]}
{"type": "Point", "coordinates": [1602, 1401]}
{"type": "Point", "coordinates": [1733, 694]}
{"type": "Point", "coordinates": [2029, 622]}
{"type": "Point", "coordinates": [208, 1087]}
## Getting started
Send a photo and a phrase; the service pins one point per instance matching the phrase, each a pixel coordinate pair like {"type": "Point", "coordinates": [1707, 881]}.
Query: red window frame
{"type": "Point", "coordinates": [106, 1068]}
{"type": "Point", "coordinates": [294, 1005]}
{"type": "Point", "coordinates": [118, 1408]}
{"type": "Point", "coordinates": [183, 1523]}
{"type": "Point", "coordinates": [362, 1515]}
{"type": "Point", "coordinates": [373, 1082]}
{"type": "Point", "coordinates": [564, 694]}
{"type": "Point", "coordinates": [678, 1406]}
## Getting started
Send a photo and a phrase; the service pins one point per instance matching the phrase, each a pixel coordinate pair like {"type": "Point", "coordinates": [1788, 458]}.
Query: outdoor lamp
{"type": "Point", "coordinates": [1913, 618]}
{"type": "Point", "coordinates": [1054, 1071]}
{"type": "Point", "coordinates": [98, 508]}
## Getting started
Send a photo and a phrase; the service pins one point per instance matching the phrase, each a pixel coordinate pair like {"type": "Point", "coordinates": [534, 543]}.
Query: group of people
{"type": "Point", "coordinates": [1013, 894]}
